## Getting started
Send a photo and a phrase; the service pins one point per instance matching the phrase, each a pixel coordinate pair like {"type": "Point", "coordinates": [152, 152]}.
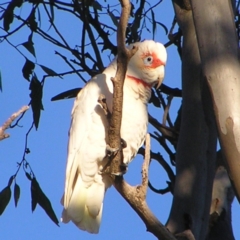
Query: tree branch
{"type": "Point", "coordinates": [123, 58]}
{"type": "Point", "coordinates": [7, 124]}
{"type": "Point", "coordinates": [136, 197]}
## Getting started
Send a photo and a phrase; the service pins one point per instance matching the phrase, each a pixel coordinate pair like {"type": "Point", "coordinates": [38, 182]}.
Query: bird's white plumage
{"type": "Point", "coordinates": [85, 186]}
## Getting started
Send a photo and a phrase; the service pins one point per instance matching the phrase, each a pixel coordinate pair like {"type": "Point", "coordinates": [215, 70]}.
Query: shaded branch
{"type": "Point", "coordinates": [175, 92]}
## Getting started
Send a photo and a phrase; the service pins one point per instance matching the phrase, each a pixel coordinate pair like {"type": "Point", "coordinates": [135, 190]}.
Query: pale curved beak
{"type": "Point", "coordinates": [161, 76]}
{"type": "Point", "coordinates": [159, 83]}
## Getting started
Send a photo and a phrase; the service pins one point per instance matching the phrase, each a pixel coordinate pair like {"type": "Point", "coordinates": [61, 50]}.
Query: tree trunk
{"type": "Point", "coordinates": [197, 141]}
{"type": "Point", "coordinates": [220, 225]}
{"type": "Point", "coordinates": [218, 47]}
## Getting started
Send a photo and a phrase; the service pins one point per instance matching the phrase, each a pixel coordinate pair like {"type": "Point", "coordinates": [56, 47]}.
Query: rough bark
{"type": "Point", "coordinates": [220, 225]}
{"type": "Point", "coordinates": [124, 56]}
{"type": "Point", "coordinates": [197, 141]}
{"type": "Point", "coordinates": [220, 63]}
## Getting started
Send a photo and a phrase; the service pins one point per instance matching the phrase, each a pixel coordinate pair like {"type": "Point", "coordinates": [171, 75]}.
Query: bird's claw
{"type": "Point", "coordinates": [123, 143]}
{"type": "Point", "coordinates": [123, 168]}
{"type": "Point", "coordinates": [111, 151]}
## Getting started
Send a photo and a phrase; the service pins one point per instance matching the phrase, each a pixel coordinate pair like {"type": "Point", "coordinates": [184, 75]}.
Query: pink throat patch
{"type": "Point", "coordinates": [139, 81]}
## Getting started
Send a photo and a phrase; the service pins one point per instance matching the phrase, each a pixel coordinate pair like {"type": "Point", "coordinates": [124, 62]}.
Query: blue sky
{"type": "Point", "coordinates": [48, 145]}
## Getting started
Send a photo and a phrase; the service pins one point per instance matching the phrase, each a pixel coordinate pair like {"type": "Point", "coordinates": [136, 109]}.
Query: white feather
{"type": "Point", "coordinates": [88, 135]}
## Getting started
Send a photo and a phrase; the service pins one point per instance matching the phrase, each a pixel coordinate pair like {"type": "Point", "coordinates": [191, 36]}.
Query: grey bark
{"type": "Point", "coordinates": [220, 225]}
{"type": "Point", "coordinates": [197, 141]}
{"type": "Point", "coordinates": [220, 63]}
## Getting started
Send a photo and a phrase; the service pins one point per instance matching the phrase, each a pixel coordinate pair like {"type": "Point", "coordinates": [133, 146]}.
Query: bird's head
{"type": "Point", "coordinates": [148, 63]}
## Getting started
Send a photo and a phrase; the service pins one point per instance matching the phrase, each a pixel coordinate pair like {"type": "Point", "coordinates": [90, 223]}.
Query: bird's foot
{"type": "Point", "coordinates": [111, 151]}
{"type": "Point", "coordinates": [123, 170]}
{"type": "Point", "coordinates": [123, 143]}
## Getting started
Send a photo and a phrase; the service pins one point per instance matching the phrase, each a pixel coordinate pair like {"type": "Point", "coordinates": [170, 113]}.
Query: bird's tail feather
{"type": "Point", "coordinates": [85, 205]}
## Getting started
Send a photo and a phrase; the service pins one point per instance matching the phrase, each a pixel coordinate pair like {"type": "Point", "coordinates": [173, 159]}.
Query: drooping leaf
{"type": "Point", "coordinates": [38, 197]}
{"type": "Point", "coordinates": [36, 99]}
{"type": "Point", "coordinates": [32, 21]}
{"type": "Point", "coordinates": [49, 71]}
{"type": "Point", "coordinates": [114, 19]}
{"type": "Point", "coordinates": [51, 2]}
{"type": "Point", "coordinates": [28, 69]}
{"type": "Point", "coordinates": [72, 93]}
{"type": "Point", "coordinates": [8, 14]}
{"type": "Point", "coordinates": [153, 23]}
{"type": "Point", "coordinates": [8, 17]}
{"type": "Point", "coordinates": [28, 176]}
{"type": "Point", "coordinates": [10, 181]}
{"type": "Point", "coordinates": [17, 3]}
{"type": "Point", "coordinates": [5, 196]}
{"type": "Point", "coordinates": [29, 45]}
{"type": "Point", "coordinates": [34, 196]}
{"type": "Point", "coordinates": [0, 81]}
{"type": "Point", "coordinates": [97, 5]}
{"type": "Point", "coordinates": [16, 194]}
{"type": "Point", "coordinates": [155, 100]}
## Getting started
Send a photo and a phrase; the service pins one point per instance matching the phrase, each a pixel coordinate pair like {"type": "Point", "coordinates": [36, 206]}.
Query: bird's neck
{"type": "Point", "coordinates": [139, 87]}
{"type": "Point", "coordinates": [138, 81]}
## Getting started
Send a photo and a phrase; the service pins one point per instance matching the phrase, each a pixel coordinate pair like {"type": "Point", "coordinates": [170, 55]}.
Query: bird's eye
{"type": "Point", "coordinates": [148, 60]}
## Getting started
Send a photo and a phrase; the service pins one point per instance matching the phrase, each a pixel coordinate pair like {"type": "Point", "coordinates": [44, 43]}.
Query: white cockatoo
{"type": "Point", "coordinates": [85, 186]}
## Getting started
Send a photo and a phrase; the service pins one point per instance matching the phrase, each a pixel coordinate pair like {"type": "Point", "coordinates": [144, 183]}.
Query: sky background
{"type": "Point", "coordinates": [48, 145]}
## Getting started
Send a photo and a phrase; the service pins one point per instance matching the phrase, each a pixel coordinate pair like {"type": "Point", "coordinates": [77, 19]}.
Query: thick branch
{"type": "Point", "coordinates": [123, 58]}
{"type": "Point", "coordinates": [136, 197]}
{"type": "Point", "coordinates": [220, 62]}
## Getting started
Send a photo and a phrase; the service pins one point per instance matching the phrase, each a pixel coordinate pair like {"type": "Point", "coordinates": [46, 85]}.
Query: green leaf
{"type": "Point", "coordinates": [153, 23]}
{"type": "Point", "coordinates": [5, 196]}
{"type": "Point", "coordinates": [155, 100]}
{"type": "Point", "coordinates": [51, 2]}
{"type": "Point", "coordinates": [72, 93]}
{"type": "Point", "coordinates": [32, 21]}
{"type": "Point", "coordinates": [16, 194]}
{"type": "Point", "coordinates": [28, 176]}
{"type": "Point", "coordinates": [27, 69]}
{"type": "Point", "coordinates": [114, 19]}
{"type": "Point", "coordinates": [49, 71]}
{"type": "Point", "coordinates": [10, 181]}
{"type": "Point", "coordinates": [0, 81]}
{"type": "Point", "coordinates": [36, 99]}
{"type": "Point", "coordinates": [8, 14]}
{"type": "Point", "coordinates": [38, 197]}
{"type": "Point", "coordinates": [34, 196]}
{"type": "Point", "coordinates": [8, 17]}
{"type": "Point", "coordinates": [29, 45]}
{"type": "Point", "coordinates": [97, 5]}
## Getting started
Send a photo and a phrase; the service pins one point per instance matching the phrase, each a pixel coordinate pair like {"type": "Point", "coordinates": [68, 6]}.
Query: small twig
{"type": "Point", "coordinates": [166, 112]}
{"type": "Point", "coordinates": [24, 162]}
{"type": "Point", "coordinates": [70, 65]}
{"type": "Point", "coordinates": [6, 125]}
